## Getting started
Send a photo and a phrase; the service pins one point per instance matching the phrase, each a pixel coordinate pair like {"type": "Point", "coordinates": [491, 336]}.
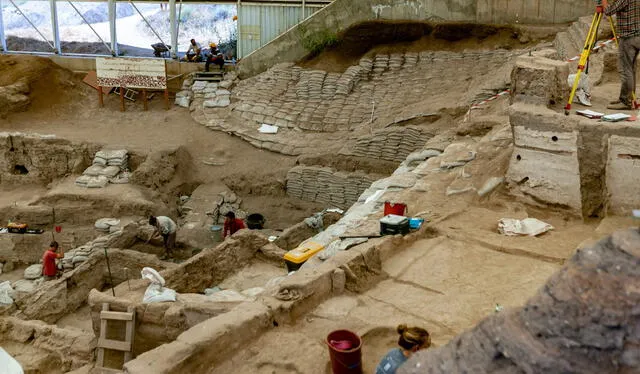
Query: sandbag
{"type": "Point", "coordinates": [93, 170]}
{"type": "Point", "coordinates": [33, 272]}
{"type": "Point", "coordinates": [155, 293]}
{"type": "Point", "coordinates": [104, 224]}
{"type": "Point", "coordinates": [152, 275]}
{"type": "Point", "coordinates": [97, 182]}
{"type": "Point", "coordinates": [5, 294]}
{"type": "Point", "coordinates": [110, 171]}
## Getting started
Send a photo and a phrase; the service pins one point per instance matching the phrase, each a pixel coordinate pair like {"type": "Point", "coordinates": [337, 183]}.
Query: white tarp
{"type": "Point", "coordinates": [527, 226]}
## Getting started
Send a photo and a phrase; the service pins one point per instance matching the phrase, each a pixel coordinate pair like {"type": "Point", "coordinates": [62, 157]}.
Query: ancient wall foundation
{"type": "Point", "coordinates": [326, 185]}
{"type": "Point", "coordinates": [568, 162]}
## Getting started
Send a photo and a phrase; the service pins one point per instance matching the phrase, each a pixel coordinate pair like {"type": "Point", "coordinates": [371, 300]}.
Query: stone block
{"type": "Point", "coordinates": [549, 178]}
{"type": "Point", "coordinates": [623, 175]}
{"type": "Point", "coordinates": [539, 80]}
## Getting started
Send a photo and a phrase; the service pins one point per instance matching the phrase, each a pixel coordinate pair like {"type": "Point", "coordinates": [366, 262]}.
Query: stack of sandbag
{"type": "Point", "coordinates": [108, 166]}
{"type": "Point", "coordinates": [119, 157]}
{"type": "Point", "coordinates": [106, 224]}
{"type": "Point", "coordinates": [77, 256]}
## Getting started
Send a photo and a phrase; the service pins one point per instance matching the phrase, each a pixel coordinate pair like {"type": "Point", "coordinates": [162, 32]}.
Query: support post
{"type": "Point", "coordinates": [121, 99]}
{"type": "Point", "coordinates": [2, 38]}
{"type": "Point", "coordinates": [54, 27]}
{"type": "Point", "coordinates": [112, 27]}
{"type": "Point", "coordinates": [303, 10]}
{"type": "Point", "coordinates": [174, 29]}
{"type": "Point", "coordinates": [144, 99]}
{"type": "Point", "coordinates": [100, 97]}
{"type": "Point", "coordinates": [239, 29]}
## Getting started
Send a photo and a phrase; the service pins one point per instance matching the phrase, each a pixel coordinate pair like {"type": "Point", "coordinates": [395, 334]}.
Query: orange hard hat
{"type": "Point", "coordinates": [235, 18]}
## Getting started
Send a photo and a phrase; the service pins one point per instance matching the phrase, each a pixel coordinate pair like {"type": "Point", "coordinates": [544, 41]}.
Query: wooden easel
{"type": "Point", "coordinates": [125, 346]}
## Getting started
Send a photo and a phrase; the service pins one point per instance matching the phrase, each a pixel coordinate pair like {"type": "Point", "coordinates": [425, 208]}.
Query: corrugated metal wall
{"type": "Point", "coordinates": [260, 24]}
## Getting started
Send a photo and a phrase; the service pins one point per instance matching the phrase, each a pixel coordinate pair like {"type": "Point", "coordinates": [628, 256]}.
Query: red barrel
{"type": "Point", "coordinates": [345, 352]}
{"type": "Point", "coordinates": [399, 209]}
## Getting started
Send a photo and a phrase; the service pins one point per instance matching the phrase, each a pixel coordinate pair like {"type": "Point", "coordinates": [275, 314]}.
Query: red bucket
{"type": "Point", "coordinates": [399, 209]}
{"type": "Point", "coordinates": [345, 352]}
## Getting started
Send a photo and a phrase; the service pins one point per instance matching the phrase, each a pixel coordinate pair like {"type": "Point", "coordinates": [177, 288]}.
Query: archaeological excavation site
{"type": "Point", "coordinates": [294, 205]}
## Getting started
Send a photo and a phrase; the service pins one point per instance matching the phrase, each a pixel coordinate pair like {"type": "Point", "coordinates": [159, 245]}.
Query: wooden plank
{"type": "Point", "coordinates": [103, 335]}
{"type": "Point", "coordinates": [130, 330]}
{"type": "Point", "coordinates": [120, 316]}
{"type": "Point", "coordinates": [116, 345]}
{"type": "Point", "coordinates": [91, 80]}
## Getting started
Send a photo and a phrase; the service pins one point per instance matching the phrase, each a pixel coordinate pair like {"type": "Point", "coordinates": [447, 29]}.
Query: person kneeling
{"type": "Point", "coordinates": [412, 339]}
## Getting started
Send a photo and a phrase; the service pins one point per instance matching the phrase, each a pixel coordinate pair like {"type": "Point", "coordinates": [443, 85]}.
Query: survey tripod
{"type": "Point", "coordinates": [589, 45]}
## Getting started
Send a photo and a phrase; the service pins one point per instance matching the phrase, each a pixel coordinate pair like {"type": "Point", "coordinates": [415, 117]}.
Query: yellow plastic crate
{"type": "Point", "coordinates": [297, 256]}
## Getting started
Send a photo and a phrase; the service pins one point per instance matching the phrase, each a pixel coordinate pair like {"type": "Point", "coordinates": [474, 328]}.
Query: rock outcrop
{"type": "Point", "coordinates": [584, 320]}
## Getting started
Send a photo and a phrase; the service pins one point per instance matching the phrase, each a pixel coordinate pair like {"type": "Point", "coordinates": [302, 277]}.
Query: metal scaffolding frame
{"type": "Point", "coordinates": [3, 40]}
{"type": "Point", "coordinates": [174, 20]}
{"type": "Point", "coordinates": [53, 14]}
{"type": "Point", "coordinates": [110, 49]}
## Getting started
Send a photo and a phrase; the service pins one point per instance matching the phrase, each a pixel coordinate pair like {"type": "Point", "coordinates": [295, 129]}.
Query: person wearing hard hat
{"type": "Point", "coordinates": [214, 56]}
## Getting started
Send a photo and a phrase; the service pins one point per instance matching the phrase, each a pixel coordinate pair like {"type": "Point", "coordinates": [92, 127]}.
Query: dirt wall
{"type": "Point", "coordinates": [54, 299]}
{"type": "Point", "coordinates": [42, 348]}
{"type": "Point", "coordinates": [213, 265]}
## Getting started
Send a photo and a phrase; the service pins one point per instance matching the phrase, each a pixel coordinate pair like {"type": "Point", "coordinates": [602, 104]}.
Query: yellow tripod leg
{"type": "Point", "coordinates": [584, 56]}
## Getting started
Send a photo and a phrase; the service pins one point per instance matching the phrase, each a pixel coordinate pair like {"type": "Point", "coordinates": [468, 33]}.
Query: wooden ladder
{"type": "Point", "coordinates": [128, 94]}
{"type": "Point", "coordinates": [125, 346]}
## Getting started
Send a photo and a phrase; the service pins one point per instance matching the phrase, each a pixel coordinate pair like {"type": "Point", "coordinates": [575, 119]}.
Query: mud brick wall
{"type": "Point", "coordinates": [326, 185]}
{"type": "Point", "coordinates": [314, 100]}
{"type": "Point", "coordinates": [39, 159]}
{"type": "Point", "coordinates": [393, 144]}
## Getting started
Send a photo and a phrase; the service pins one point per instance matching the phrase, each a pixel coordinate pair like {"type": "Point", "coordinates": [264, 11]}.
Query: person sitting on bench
{"type": "Point", "coordinates": [194, 53]}
{"type": "Point", "coordinates": [214, 57]}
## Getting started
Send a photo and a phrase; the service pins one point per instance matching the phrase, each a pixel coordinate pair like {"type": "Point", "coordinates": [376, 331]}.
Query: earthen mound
{"type": "Point", "coordinates": [584, 320]}
{"type": "Point", "coordinates": [32, 82]}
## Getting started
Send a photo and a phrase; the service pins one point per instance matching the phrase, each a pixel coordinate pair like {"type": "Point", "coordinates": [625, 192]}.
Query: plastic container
{"type": "Point", "coordinates": [345, 361]}
{"type": "Point", "coordinates": [255, 221]}
{"type": "Point", "coordinates": [415, 223]}
{"type": "Point", "coordinates": [394, 224]}
{"type": "Point", "coordinates": [399, 209]}
{"type": "Point", "coordinates": [299, 255]}
{"type": "Point", "coordinates": [216, 233]}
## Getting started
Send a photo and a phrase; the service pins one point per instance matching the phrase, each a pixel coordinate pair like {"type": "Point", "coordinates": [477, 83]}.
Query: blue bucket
{"type": "Point", "coordinates": [415, 223]}
{"type": "Point", "coordinates": [216, 233]}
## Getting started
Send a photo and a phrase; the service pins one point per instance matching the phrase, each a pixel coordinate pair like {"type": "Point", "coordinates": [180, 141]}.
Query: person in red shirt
{"type": "Point", "coordinates": [49, 269]}
{"type": "Point", "coordinates": [232, 224]}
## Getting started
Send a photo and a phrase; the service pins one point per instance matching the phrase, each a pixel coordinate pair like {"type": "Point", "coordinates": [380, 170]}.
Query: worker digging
{"type": "Point", "coordinates": [165, 227]}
